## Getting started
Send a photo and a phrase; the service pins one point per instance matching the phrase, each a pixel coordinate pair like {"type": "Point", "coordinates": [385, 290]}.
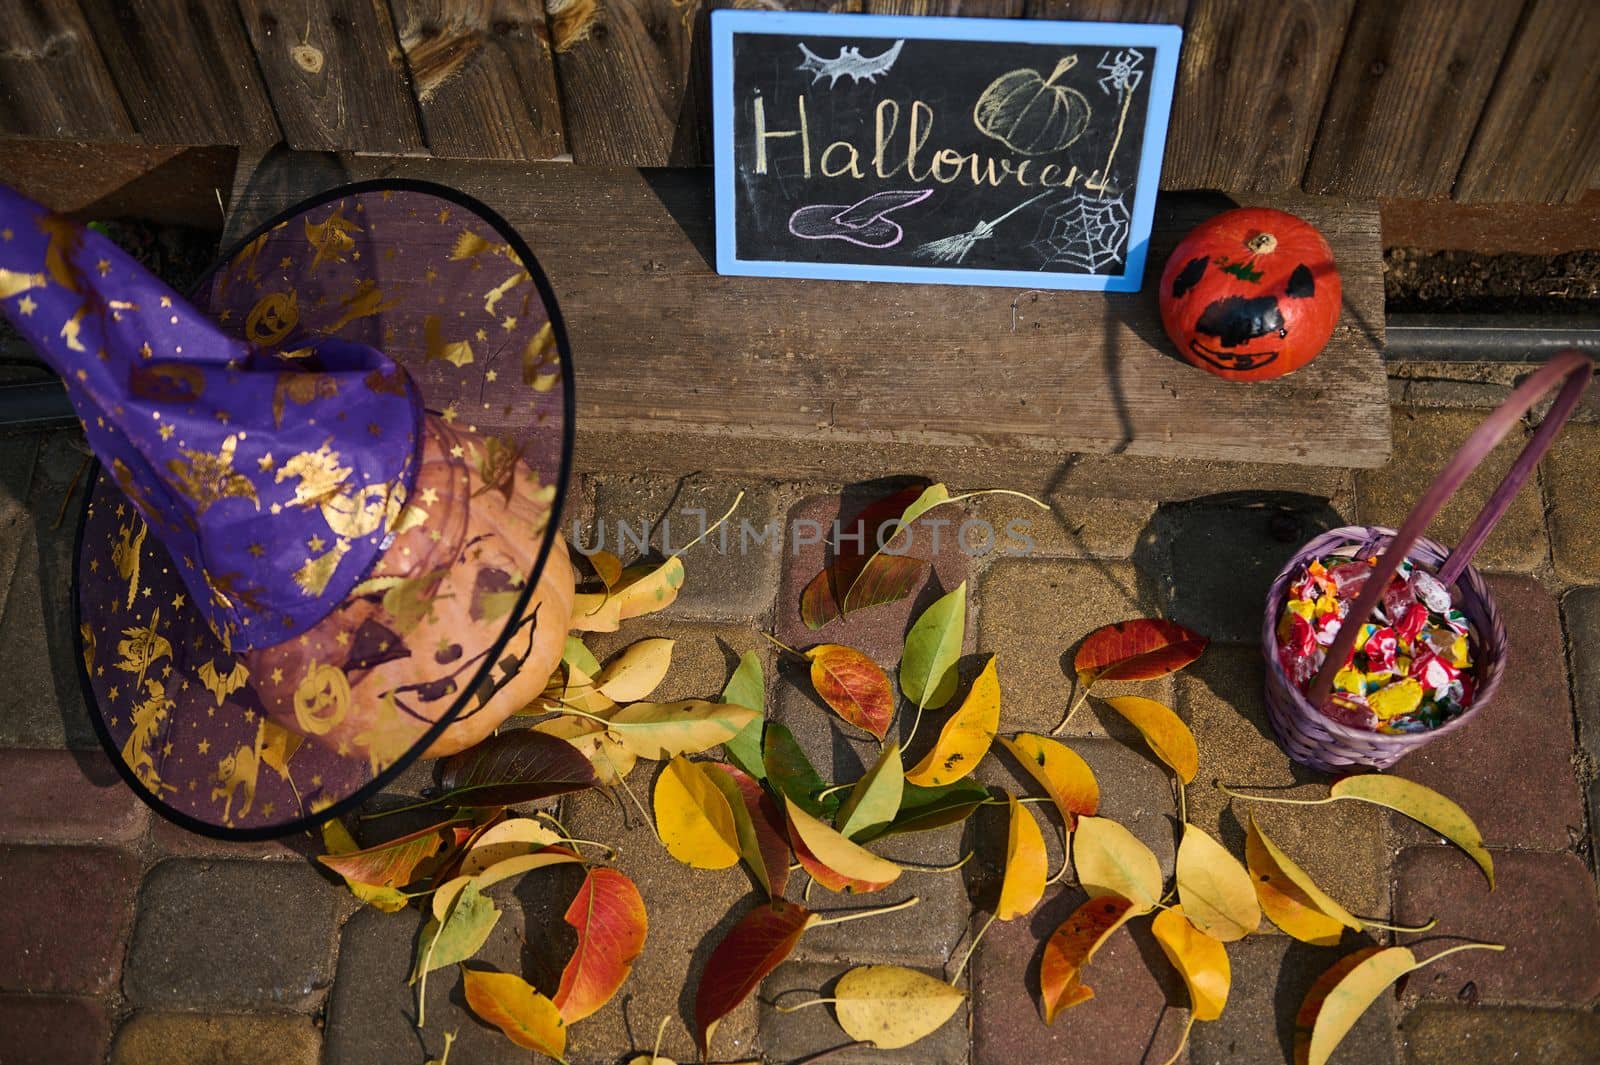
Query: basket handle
{"type": "Point", "coordinates": [1570, 368]}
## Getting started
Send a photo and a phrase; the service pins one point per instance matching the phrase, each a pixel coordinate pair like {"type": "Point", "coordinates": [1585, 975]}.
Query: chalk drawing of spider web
{"type": "Point", "coordinates": [1081, 233]}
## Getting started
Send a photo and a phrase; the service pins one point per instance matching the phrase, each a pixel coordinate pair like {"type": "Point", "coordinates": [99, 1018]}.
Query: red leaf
{"type": "Point", "coordinates": [609, 916]}
{"type": "Point", "coordinates": [1141, 649]}
{"type": "Point", "coordinates": [771, 835]}
{"type": "Point", "coordinates": [752, 949]}
{"type": "Point", "coordinates": [388, 864]}
{"type": "Point", "coordinates": [516, 766]}
{"type": "Point", "coordinates": [854, 544]}
{"type": "Point", "coordinates": [1070, 947]}
{"type": "Point", "coordinates": [854, 686]}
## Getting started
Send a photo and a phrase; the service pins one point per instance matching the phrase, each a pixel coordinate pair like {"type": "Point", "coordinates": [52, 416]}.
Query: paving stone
{"type": "Point", "coordinates": [732, 573]}
{"type": "Point", "coordinates": [1571, 474]}
{"type": "Point", "coordinates": [1424, 440]}
{"type": "Point", "coordinates": [1137, 1013]}
{"type": "Point", "coordinates": [1271, 975]}
{"type": "Point", "coordinates": [372, 1012]}
{"type": "Point", "coordinates": [1033, 613]}
{"type": "Point", "coordinates": [799, 1036]}
{"type": "Point", "coordinates": [1511, 768]}
{"type": "Point", "coordinates": [66, 797]}
{"type": "Point", "coordinates": [1342, 845]}
{"type": "Point", "coordinates": [66, 917]}
{"type": "Point", "coordinates": [149, 1038]}
{"type": "Point", "coordinates": [690, 911]}
{"type": "Point", "coordinates": [703, 657]}
{"type": "Point", "coordinates": [1544, 910]}
{"type": "Point", "coordinates": [52, 1030]}
{"type": "Point", "coordinates": [1581, 612]}
{"type": "Point", "coordinates": [17, 459]}
{"type": "Point", "coordinates": [1465, 1035]}
{"type": "Point", "coordinates": [168, 840]}
{"type": "Point", "coordinates": [1073, 527]}
{"type": "Point", "coordinates": [234, 933]}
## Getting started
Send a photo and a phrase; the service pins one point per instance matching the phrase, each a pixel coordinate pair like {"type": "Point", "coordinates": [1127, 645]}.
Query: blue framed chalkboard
{"type": "Point", "coordinates": [938, 150]}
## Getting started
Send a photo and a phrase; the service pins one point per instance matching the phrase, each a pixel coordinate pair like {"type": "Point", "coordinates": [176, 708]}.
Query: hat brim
{"type": "Point", "coordinates": [193, 738]}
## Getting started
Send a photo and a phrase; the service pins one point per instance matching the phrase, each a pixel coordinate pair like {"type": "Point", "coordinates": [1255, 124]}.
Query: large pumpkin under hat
{"type": "Point", "coordinates": [323, 537]}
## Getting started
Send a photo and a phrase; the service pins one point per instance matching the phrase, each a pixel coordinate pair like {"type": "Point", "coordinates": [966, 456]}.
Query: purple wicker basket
{"type": "Point", "coordinates": [1310, 736]}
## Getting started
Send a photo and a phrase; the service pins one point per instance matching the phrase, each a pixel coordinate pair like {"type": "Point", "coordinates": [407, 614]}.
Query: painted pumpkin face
{"type": "Point", "coordinates": [1251, 294]}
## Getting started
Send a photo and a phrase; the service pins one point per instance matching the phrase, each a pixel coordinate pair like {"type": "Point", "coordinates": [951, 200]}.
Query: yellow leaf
{"type": "Point", "coordinates": [891, 1006]}
{"type": "Point", "coordinates": [1022, 886]}
{"type": "Point", "coordinates": [1420, 804]}
{"type": "Point", "coordinates": [965, 738]}
{"type": "Point", "coordinates": [1065, 777]}
{"type": "Point", "coordinates": [1216, 891]}
{"type": "Point", "coordinates": [1164, 731]}
{"type": "Point", "coordinates": [1290, 897]}
{"type": "Point", "coordinates": [595, 612]}
{"type": "Point", "coordinates": [1199, 959]}
{"type": "Point", "coordinates": [508, 839]}
{"type": "Point", "coordinates": [506, 1001]}
{"type": "Point", "coordinates": [645, 591]}
{"type": "Point", "coordinates": [693, 817]}
{"type": "Point", "coordinates": [662, 730]}
{"type": "Point", "coordinates": [608, 566]}
{"type": "Point", "coordinates": [636, 672]}
{"type": "Point", "coordinates": [583, 693]}
{"type": "Point", "coordinates": [605, 752]}
{"type": "Point", "coordinates": [850, 861]}
{"type": "Point", "coordinates": [1110, 860]}
{"type": "Point", "coordinates": [1342, 1004]}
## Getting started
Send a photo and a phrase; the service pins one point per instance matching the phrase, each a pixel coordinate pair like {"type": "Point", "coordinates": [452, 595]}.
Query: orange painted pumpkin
{"type": "Point", "coordinates": [1251, 294]}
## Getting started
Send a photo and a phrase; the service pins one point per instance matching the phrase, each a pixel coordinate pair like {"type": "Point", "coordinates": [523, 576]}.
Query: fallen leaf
{"type": "Point", "coordinates": [891, 1006]}
{"type": "Point", "coordinates": [1164, 731]}
{"type": "Point", "coordinates": [390, 864]}
{"type": "Point", "coordinates": [504, 869]}
{"type": "Point", "coordinates": [663, 730]}
{"type": "Point", "coordinates": [875, 799]}
{"type": "Point", "coordinates": [1110, 860]}
{"type": "Point", "coordinates": [928, 665]}
{"type": "Point", "coordinates": [607, 566]}
{"type": "Point", "coordinates": [577, 654]}
{"type": "Point", "coordinates": [693, 818]}
{"type": "Point", "coordinates": [757, 825]}
{"type": "Point", "coordinates": [748, 688]}
{"type": "Point", "coordinates": [854, 686]}
{"type": "Point", "coordinates": [791, 774]}
{"type": "Point", "coordinates": [1290, 898]}
{"type": "Point", "coordinates": [636, 671]}
{"type": "Point", "coordinates": [595, 612]}
{"type": "Point", "coordinates": [514, 766]}
{"type": "Point", "coordinates": [1022, 885]}
{"type": "Point", "coordinates": [466, 925]}
{"type": "Point", "coordinates": [1420, 804]}
{"type": "Point", "coordinates": [754, 947]}
{"type": "Point", "coordinates": [854, 546]}
{"type": "Point", "coordinates": [385, 897]}
{"type": "Point", "coordinates": [966, 736]}
{"type": "Point", "coordinates": [609, 916]}
{"type": "Point", "coordinates": [610, 760]}
{"type": "Point", "coordinates": [1065, 777]}
{"type": "Point", "coordinates": [582, 693]}
{"type": "Point", "coordinates": [833, 861]}
{"type": "Point", "coordinates": [1142, 649]}
{"type": "Point", "coordinates": [506, 1001]}
{"type": "Point", "coordinates": [1217, 893]}
{"type": "Point", "coordinates": [646, 589]}
{"type": "Point", "coordinates": [509, 839]}
{"type": "Point", "coordinates": [922, 809]}
{"type": "Point", "coordinates": [1200, 959]}
{"type": "Point", "coordinates": [1071, 946]}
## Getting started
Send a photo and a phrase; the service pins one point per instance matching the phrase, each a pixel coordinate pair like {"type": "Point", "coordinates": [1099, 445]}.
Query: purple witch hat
{"type": "Point", "coordinates": [321, 539]}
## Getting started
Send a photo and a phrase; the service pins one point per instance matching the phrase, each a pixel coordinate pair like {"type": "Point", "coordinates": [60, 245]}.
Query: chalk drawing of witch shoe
{"type": "Point", "coordinates": [865, 222]}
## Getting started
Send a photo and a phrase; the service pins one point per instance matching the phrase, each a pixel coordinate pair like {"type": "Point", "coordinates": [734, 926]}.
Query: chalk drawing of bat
{"type": "Point", "coordinates": [849, 61]}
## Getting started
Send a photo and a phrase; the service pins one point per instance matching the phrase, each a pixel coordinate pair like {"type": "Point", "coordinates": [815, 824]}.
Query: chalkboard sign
{"type": "Point", "coordinates": [946, 150]}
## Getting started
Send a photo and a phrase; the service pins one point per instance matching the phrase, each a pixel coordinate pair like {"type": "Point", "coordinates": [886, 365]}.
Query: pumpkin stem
{"type": "Point", "coordinates": [1262, 244]}
{"type": "Point", "coordinates": [1061, 68]}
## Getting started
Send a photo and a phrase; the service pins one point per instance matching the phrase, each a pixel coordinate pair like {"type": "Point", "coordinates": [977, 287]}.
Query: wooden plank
{"type": "Point", "coordinates": [1492, 228]}
{"type": "Point", "coordinates": [1251, 85]}
{"type": "Point", "coordinates": [965, 8]}
{"type": "Point", "coordinates": [53, 80]}
{"type": "Point", "coordinates": [1165, 12]}
{"type": "Point", "coordinates": [335, 73]}
{"type": "Point", "coordinates": [1411, 84]}
{"type": "Point", "coordinates": [484, 77]}
{"type": "Point", "coordinates": [186, 71]}
{"type": "Point", "coordinates": [664, 345]}
{"type": "Point", "coordinates": [1539, 137]}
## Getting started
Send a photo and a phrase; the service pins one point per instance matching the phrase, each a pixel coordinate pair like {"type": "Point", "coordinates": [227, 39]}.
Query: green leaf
{"type": "Point", "coordinates": [791, 773]}
{"type": "Point", "coordinates": [747, 687]}
{"type": "Point", "coordinates": [875, 799]}
{"type": "Point", "coordinates": [922, 809]}
{"type": "Point", "coordinates": [465, 927]}
{"type": "Point", "coordinates": [744, 826]}
{"type": "Point", "coordinates": [928, 667]}
{"type": "Point", "coordinates": [578, 654]}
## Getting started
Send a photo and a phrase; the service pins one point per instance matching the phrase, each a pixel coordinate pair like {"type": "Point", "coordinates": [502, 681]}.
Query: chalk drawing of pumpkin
{"type": "Point", "coordinates": [1031, 114]}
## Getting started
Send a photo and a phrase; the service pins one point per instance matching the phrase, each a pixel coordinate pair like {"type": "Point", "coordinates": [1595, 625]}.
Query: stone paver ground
{"type": "Point", "coordinates": [124, 939]}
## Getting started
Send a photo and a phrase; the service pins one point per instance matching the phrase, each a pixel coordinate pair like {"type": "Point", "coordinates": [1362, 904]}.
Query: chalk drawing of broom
{"type": "Point", "coordinates": [954, 248]}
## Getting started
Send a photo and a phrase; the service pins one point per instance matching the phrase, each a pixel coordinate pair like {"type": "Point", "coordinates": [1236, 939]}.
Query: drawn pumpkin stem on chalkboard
{"type": "Point", "coordinates": [954, 248]}
{"type": "Point", "coordinates": [1031, 114]}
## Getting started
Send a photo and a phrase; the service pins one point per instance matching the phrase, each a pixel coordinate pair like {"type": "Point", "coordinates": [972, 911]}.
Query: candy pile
{"type": "Point", "coordinates": [1411, 668]}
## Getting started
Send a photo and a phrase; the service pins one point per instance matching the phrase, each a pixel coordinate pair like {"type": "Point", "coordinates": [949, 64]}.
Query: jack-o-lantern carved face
{"type": "Point", "coordinates": [1251, 294]}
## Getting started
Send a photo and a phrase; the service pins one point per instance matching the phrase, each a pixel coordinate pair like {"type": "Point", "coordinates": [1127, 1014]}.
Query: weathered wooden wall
{"type": "Point", "coordinates": [1479, 100]}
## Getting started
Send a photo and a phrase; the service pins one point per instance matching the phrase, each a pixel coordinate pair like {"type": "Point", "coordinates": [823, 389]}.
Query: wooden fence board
{"type": "Point", "coordinates": [484, 77]}
{"type": "Point", "coordinates": [335, 73]}
{"type": "Point", "coordinates": [1168, 12]}
{"type": "Point", "coordinates": [664, 345]}
{"type": "Point", "coordinates": [966, 8]}
{"type": "Point", "coordinates": [1411, 84]}
{"type": "Point", "coordinates": [1539, 137]}
{"type": "Point", "coordinates": [53, 80]}
{"type": "Point", "coordinates": [186, 71]}
{"type": "Point", "coordinates": [1251, 84]}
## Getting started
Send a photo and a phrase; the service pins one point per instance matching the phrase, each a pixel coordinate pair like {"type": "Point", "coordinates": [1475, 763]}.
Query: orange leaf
{"type": "Point", "coordinates": [1164, 731]}
{"type": "Point", "coordinates": [1022, 886]}
{"type": "Point", "coordinates": [388, 864]}
{"type": "Point", "coordinates": [527, 1018]}
{"type": "Point", "coordinates": [609, 916]}
{"type": "Point", "coordinates": [1060, 771]}
{"type": "Point", "coordinates": [1136, 650]}
{"type": "Point", "coordinates": [854, 686]}
{"type": "Point", "coordinates": [855, 544]}
{"type": "Point", "coordinates": [752, 948]}
{"type": "Point", "coordinates": [1071, 946]}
